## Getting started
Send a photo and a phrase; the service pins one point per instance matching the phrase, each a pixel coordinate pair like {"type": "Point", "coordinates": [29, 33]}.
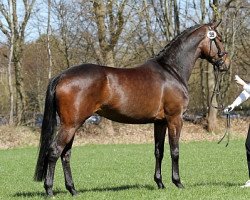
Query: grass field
{"type": "Point", "coordinates": [208, 171]}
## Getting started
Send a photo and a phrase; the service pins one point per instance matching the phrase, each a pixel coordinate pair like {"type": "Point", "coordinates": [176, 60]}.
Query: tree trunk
{"type": "Point", "coordinates": [21, 106]}
{"type": "Point", "coordinates": [146, 15]}
{"type": "Point", "coordinates": [108, 38]}
{"type": "Point", "coordinates": [176, 18]}
{"type": "Point", "coordinates": [10, 78]}
{"type": "Point", "coordinates": [203, 83]}
{"type": "Point", "coordinates": [17, 28]}
{"type": "Point", "coordinates": [203, 11]}
{"type": "Point", "coordinates": [212, 111]}
{"type": "Point", "coordinates": [170, 21]}
{"type": "Point", "coordinates": [212, 101]}
{"type": "Point", "coordinates": [10, 86]}
{"type": "Point", "coordinates": [203, 64]}
{"type": "Point", "coordinates": [48, 41]}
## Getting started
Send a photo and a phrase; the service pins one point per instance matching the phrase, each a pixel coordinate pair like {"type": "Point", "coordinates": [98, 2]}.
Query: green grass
{"type": "Point", "coordinates": [208, 171]}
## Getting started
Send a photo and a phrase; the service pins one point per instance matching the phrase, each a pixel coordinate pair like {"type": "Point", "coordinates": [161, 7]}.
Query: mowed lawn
{"type": "Point", "coordinates": [208, 171]}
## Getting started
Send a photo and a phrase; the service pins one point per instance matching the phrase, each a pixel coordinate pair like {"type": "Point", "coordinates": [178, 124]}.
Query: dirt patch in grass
{"type": "Point", "coordinates": [11, 137]}
{"type": "Point", "coordinates": [19, 136]}
{"type": "Point", "coordinates": [128, 133]}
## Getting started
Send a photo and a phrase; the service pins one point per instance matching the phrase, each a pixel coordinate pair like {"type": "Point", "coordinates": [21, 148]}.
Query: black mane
{"type": "Point", "coordinates": [179, 38]}
{"type": "Point", "coordinates": [175, 56]}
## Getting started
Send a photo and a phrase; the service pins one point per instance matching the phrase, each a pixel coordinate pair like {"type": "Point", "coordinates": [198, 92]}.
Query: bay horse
{"type": "Point", "coordinates": [154, 92]}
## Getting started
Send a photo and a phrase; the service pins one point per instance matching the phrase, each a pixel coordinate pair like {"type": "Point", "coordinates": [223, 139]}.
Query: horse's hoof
{"type": "Point", "coordinates": [50, 197]}
{"type": "Point", "coordinates": [160, 185]}
{"type": "Point", "coordinates": [179, 185]}
{"type": "Point", "coordinates": [49, 194]}
{"type": "Point", "coordinates": [74, 193]}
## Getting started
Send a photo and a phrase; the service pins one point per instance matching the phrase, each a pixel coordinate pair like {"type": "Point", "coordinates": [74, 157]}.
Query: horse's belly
{"type": "Point", "coordinates": [130, 116]}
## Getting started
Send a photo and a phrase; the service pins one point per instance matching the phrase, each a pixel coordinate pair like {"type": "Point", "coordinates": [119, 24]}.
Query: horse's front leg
{"type": "Point", "coordinates": [174, 129]}
{"type": "Point", "coordinates": [159, 135]}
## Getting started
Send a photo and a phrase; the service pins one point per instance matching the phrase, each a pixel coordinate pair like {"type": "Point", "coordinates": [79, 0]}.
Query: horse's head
{"type": "Point", "coordinates": [212, 48]}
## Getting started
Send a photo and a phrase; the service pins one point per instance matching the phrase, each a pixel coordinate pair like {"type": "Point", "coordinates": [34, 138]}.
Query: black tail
{"type": "Point", "coordinates": [48, 129]}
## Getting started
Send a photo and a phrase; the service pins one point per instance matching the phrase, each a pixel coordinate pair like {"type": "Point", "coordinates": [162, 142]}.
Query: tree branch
{"type": "Point", "coordinates": [99, 12]}
{"type": "Point", "coordinates": [28, 7]}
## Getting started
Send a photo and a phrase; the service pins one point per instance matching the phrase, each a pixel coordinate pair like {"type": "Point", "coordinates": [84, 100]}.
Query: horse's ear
{"type": "Point", "coordinates": [215, 24]}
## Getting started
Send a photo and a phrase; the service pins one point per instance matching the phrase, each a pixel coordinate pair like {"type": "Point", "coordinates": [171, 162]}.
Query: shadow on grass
{"type": "Point", "coordinates": [223, 184]}
{"type": "Point", "coordinates": [105, 189]}
{"type": "Point", "coordinates": [37, 194]}
{"type": "Point", "coordinates": [119, 188]}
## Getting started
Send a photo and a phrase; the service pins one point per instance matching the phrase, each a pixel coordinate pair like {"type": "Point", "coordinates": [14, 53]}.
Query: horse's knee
{"type": "Point", "coordinates": [157, 176]}
{"type": "Point", "coordinates": [158, 154]}
{"type": "Point", "coordinates": [54, 152]}
{"type": "Point", "coordinates": [175, 153]}
{"type": "Point", "coordinates": [66, 156]}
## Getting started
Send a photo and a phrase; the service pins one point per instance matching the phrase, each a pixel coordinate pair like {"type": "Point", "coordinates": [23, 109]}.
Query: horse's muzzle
{"type": "Point", "coordinates": [222, 64]}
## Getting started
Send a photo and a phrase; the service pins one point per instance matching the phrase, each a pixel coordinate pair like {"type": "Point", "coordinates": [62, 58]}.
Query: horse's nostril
{"type": "Point", "coordinates": [221, 54]}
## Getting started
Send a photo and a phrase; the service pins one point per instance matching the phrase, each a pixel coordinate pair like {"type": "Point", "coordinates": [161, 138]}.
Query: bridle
{"type": "Point", "coordinates": [212, 36]}
{"type": "Point", "coordinates": [217, 64]}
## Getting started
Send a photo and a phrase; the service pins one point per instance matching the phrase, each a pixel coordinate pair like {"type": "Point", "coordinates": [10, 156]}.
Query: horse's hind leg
{"type": "Point", "coordinates": [159, 135]}
{"type": "Point", "coordinates": [174, 129]}
{"type": "Point", "coordinates": [53, 155]}
{"type": "Point", "coordinates": [65, 158]}
{"type": "Point", "coordinates": [63, 138]}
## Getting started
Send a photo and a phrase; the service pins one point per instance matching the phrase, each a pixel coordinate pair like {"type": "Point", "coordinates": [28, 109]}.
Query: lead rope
{"type": "Point", "coordinates": [216, 90]}
{"type": "Point", "coordinates": [227, 132]}
{"type": "Point", "coordinates": [228, 124]}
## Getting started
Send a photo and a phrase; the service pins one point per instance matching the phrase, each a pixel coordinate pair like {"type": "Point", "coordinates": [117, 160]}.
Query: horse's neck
{"type": "Point", "coordinates": [180, 58]}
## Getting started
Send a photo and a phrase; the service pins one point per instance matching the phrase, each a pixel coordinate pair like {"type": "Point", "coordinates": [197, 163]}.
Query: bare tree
{"type": "Point", "coordinates": [108, 35]}
{"type": "Point", "coordinates": [164, 17]}
{"type": "Point", "coordinates": [48, 39]}
{"type": "Point", "coordinates": [212, 100]}
{"type": "Point", "coordinates": [10, 78]}
{"type": "Point", "coordinates": [219, 12]}
{"type": "Point", "coordinates": [146, 16]}
{"type": "Point", "coordinates": [235, 28]}
{"type": "Point", "coordinates": [176, 17]}
{"type": "Point", "coordinates": [19, 27]}
{"type": "Point", "coordinates": [114, 33]}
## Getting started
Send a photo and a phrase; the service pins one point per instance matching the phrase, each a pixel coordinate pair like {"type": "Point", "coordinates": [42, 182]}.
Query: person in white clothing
{"type": "Point", "coordinates": [244, 95]}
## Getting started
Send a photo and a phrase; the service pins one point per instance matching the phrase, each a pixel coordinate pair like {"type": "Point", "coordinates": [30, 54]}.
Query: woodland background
{"type": "Point", "coordinates": [40, 38]}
